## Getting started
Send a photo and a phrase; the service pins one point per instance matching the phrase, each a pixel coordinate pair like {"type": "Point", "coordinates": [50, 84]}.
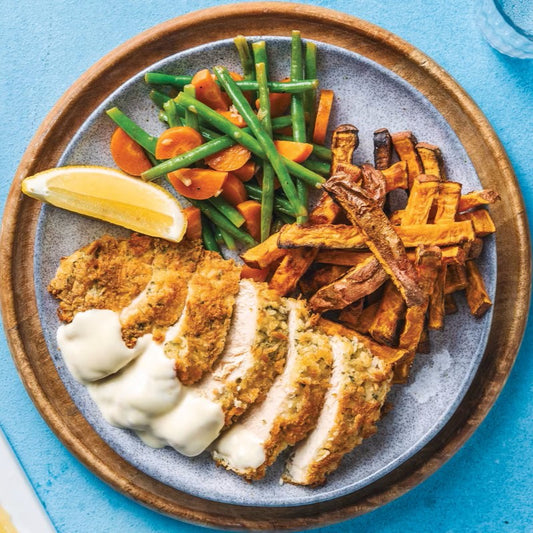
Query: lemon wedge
{"type": "Point", "coordinates": [112, 196]}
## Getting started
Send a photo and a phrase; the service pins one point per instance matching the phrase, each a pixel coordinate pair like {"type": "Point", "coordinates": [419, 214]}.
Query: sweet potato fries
{"type": "Point", "coordinates": [389, 276]}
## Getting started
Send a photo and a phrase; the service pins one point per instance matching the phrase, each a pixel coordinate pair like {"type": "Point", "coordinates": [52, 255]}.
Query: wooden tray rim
{"type": "Point", "coordinates": [16, 250]}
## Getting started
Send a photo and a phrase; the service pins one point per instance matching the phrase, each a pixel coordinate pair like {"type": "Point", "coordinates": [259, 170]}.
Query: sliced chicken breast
{"type": "Point", "coordinates": [291, 407]}
{"type": "Point", "coordinates": [358, 388]}
{"type": "Point", "coordinates": [108, 273]}
{"type": "Point", "coordinates": [161, 302]}
{"type": "Point", "coordinates": [199, 336]}
{"type": "Point", "coordinates": [254, 353]}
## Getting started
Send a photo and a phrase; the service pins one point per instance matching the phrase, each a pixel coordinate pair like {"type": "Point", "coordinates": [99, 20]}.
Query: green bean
{"type": "Point", "coordinates": [237, 135]}
{"type": "Point", "coordinates": [247, 62]}
{"type": "Point", "coordinates": [319, 151]}
{"type": "Point", "coordinates": [191, 119]}
{"type": "Point", "coordinates": [297, 74]}
{"type": "Point", "coordinates": [188, 158]}
{"type": "Point", "coordinates": [158, 78]}
{"type": "Point", "coordinates": [171, 111]}
{"type": "Point", "coordinates": [265, 142]}
{"type": "Point", "coordinates": [287, 219]}
{"type": "Point", "coordinates": [208, 238]}
{"type": "Point", "coordinates": [140, 136]}
{"type": "Point", "coordinates": [223, 237]}
{"type": "Point", "coordinates": [297, 111]}
{"type": "Point", "coordinates": [227, 210]}
{"type": "Point", "coordinates": [281, 205]}
{"type": "Point", "coordinates": [320, 167]}
{"type": "Point", "coordinates": [261, 75]}
{"type": "Point", "coordinates": [222, 222]}
{"type": "Point", "coordinates": [310, 95]}
{"type": "Point", "coordinates": [244, 85]}
{"type": "Point", "coordinates": [229, 241]}
{"type": "Point", "coordinates": [159, 98]}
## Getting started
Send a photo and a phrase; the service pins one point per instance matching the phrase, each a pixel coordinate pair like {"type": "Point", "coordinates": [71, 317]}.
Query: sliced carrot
{"type": "Point", "coordinates": [323, 112]}
{"type": "Point", "coordinates": [295, 151]}
{"type": "Point", "coordinates": [233, 190]}
{"type": "Point", "coordinates": [257, 274]}
{"type": "Point", "coordinates": [176, 141]}
{"type": "Point", "coordinates": [251, 211]}
{"type": "Point", "coordinates": [208, 91]}
{"type": "Point", "coordinates": [279, 103]}
{"type": "Point", "coordinates": [287, 130]}
{"type": "Point", "coordinates": [229, 159]}
{"type": "Point", "coordinates": [194, 222]}
{"type": "Point", "coordinates": [246, 172]}
{"type": "Point", "coordinates": [234, 117]}
{"type": "Point", "coordinates": [197, 183]}
{"type": "Point", "coordinates": [128, 155]}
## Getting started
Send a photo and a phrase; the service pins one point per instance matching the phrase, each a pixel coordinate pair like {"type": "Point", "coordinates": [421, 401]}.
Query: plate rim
{"type": "Point", "coordinates": [16, 254]}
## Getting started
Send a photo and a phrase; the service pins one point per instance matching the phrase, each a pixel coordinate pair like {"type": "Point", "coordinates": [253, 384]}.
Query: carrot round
{"type": "Point", "coordinates": [176, 141]}
{"type": "Point", "coordinates": [229, 159]}
{"type": "Point", "coordinates": [295, 151]}
{"type": "Point", "coordinates": [194, 222]}
{"type": "Point", "coordinates": [251, 211]}
{"type": "Point", "coordinates": [208, 91]}
{"type": "Point", "coordinates": [233, 190]}
{"type": "Point", "coordinates": [279, 103]}
{"type": "Point", "coordinates": [234, 117]}
{"type": "Point", "coordinates": [256, 274]}
{"type": "Point", "coordinates": [323, 112]}
{"type": "Point", "coordinates": [128, 154]}
{"type": "Point", "coordinates": [197, 183]}
{"type": "Point", "coordinates": [246, 172]}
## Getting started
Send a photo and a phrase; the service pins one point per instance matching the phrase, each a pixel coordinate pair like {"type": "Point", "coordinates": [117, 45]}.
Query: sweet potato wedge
{"type": "Point", "coordinates": [292, 267]}
{"type": "Point", "coordinates": [384, 327]}
{"type": "Point", "coordinates": [312, 281]}
{"type": "Point", "coordinates": [428, 267]}
{"type": "Point", "coordinates": [476, 199]}
{"type": "Point", "coordinates": [386, 353]}
{"type": "Point", "coordinates": [455, 279]}
{"type": "Point", "coordinates": [482, 221]}
{"type": "Point", "coordinates": [476, 294]}
{"type": "Point", "coordinates": [264, 254]}
{"type": "Point", "coordinates": [396, 176]}
{"type": "Point", "coordinates": [344, 237]}
{"type": "Point", "coordinates": [450, 306]}
{"type": "Point", "coordinates": [437, 310]}
{"type": "Point", "coordinates": [355, 284]}
{"type": "Point", "coordinates": [349, 316]}
{"type": "Point", "coordinates": [341, 257]}
{"type": "Point", "coordinates": [382, 149]}
{"type": "Point", "coordinates": [379, 236]}
{"type": "Point", "coordinates": [344, 142]}
{"type": "Point", "coordinates": [447, 202]}
{"type": "Point", "coordinates": [404, 143]}
{"type": "Point", "coordinates": [424, 190]}
{"type": "Point", "coordinates": [431, 158]}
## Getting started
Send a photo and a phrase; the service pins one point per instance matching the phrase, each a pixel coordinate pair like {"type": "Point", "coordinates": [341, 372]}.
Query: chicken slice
{"type": "Point", "coordinates": [108, 273]}
{"type": "Point", "coordinates": [254, 353]}
{"type": "Point", "coordinates": [359, 384]}
{"type": "Point", "coordinates": [199, 336]}
{"type": "Point", "coordinates": [291, 407]}
{"type": "Point", "coordinates": [161, 302]}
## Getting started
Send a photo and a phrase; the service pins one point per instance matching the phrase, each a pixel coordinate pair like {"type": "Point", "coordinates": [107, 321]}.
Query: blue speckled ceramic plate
{"type": "Point", "coordinates": [370, 97]}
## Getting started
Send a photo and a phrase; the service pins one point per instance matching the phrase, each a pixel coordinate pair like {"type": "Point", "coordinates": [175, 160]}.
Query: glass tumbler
{"type": "Point", "coordinates": [508, 26]}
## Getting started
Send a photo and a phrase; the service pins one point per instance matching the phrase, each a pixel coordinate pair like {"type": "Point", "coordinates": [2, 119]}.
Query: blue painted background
{"type": "Point", "coordinates": [45, 45]}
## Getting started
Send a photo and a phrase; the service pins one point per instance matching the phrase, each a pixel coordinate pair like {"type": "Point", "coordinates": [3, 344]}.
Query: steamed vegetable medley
{"type": "Point", "coordinates": [242, 148]}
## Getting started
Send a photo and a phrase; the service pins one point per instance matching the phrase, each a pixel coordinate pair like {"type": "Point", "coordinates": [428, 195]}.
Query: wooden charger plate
{"type": "Point", "coordinates": [18, 298]}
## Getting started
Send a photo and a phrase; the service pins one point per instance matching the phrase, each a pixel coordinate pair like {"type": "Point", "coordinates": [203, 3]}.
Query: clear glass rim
{"type": "Point", "coordinates": [518, 29]}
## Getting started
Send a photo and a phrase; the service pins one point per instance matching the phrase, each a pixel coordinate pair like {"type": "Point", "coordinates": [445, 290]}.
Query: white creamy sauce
{"type": "Point", "coordinates": [242, 448]}
{"type": "Point", "coordinates": [137, 388]}
{"type": "Point", "coordinates": [92, 345]}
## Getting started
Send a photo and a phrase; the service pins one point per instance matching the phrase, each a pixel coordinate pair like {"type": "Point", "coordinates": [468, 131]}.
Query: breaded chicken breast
{"type": "Point", "coordinates": [291, 407]}
{"type": "Point", "coordinates": [199, 336]}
